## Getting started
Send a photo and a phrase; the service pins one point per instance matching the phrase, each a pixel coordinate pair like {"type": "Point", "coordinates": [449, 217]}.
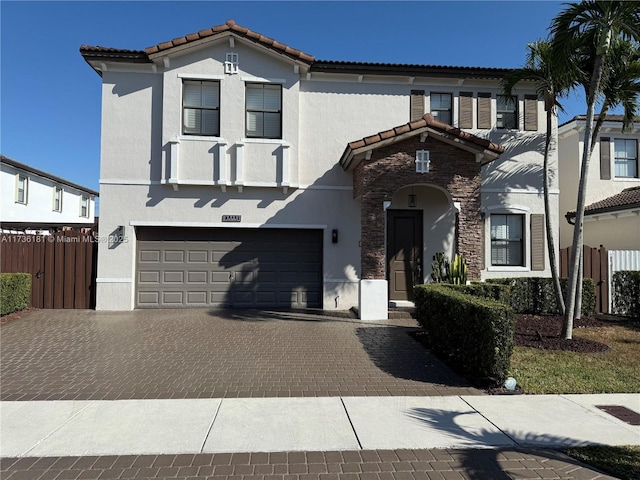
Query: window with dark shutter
{"type": "Point", "coordinates": [466, 110]}
{"type": "Point", "coordinates": [484, 110]}
{"type": "Point", "coordinates": [531, 112]}
{"type": "Point", "coordinates": [537, 242]}
{"type": "Point", "coordinates": [605, 158]}
{"type": "Point", "coordinates": [417, 105]}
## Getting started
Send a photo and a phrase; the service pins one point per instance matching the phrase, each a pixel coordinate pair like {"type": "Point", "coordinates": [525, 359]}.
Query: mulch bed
{"type": "Point", "coordinates": [544, 332]}
{"type": "Point", "coordinates": [15, 315]}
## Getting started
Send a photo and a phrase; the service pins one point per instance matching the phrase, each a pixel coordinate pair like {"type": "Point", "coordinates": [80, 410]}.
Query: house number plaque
{"type": "Point", "coordinates": [232, 218]}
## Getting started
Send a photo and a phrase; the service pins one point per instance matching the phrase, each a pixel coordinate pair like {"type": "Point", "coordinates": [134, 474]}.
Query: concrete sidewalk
{"type": "Point", "coordinates": [194, 426]}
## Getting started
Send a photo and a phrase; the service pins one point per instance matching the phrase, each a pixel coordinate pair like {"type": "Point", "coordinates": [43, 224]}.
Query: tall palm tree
{"type": "Point", "coordinates": [591, 24]}
{"type": "Point", "coordinates": [552, 84]}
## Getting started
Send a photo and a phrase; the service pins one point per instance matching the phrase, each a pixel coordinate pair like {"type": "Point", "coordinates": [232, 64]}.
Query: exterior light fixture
{"type": "Point", "coordinates": [413, 200]}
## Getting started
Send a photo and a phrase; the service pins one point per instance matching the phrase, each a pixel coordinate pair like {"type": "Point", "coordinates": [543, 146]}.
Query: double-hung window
{"type": "Point", "coordinates": [506, 113]}
{"type": "Point", "coordinates": [201, 108]}
{"type": "Point", "coordinates": [264, 110]}
{"type": "Point", "coordinates": [22, 184]}
{"type": "Point", "coordinates": [57, 199]}
{"type": "Point", "coordinates": [84, 207]}
{"type": "Point", "coordinates": [441, 107]}
{"type": "Point", "coordinates": [626, 157]}
{"type": "Point", "coordinates": [507, 246]}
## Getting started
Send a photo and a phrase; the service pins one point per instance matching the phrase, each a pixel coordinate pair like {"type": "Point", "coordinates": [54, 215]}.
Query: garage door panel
{"type": "Point", "coordinates": [229, 267]}
{"type": "Point", "coordinates": [173, 277]}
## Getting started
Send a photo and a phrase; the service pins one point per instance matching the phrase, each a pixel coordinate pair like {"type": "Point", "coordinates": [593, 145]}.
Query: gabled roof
{"type": "Point", "coordinates": [26, 168]}
{"type": "Point", "coordinates": [627, 199]}
{"type": "Point", "coordinates": [427, 124]}
{"type": "Point", "coordinates": [98, 53]}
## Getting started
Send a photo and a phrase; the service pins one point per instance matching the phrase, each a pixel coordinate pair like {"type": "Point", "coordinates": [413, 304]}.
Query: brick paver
{"type": "Point", "coordinates": [88, 355]}
{"type": "Point", "coordinates": [355, 465]}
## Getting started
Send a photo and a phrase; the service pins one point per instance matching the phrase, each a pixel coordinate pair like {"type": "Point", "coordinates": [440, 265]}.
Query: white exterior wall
{"type": "Point", "coordinates": [144, 156]}
{"type": "Point", "coordinates": [40, 200]}
{"type": "Point", "coordinates": [596, 232]}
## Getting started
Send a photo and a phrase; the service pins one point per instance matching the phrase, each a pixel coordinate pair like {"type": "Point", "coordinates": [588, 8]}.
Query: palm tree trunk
{"type": "Point", "coordinates": [574, 267]}
{"type": "Point", "coordinates": [551, 245]}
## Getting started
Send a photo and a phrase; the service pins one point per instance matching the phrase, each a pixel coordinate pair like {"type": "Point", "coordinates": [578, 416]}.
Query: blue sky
{"type": "Point", "coordinates": [50, 98]}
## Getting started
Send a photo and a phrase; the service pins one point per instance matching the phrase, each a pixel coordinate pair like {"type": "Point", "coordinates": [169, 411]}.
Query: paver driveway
{"type": "Point", "coordinates": [88, 355]}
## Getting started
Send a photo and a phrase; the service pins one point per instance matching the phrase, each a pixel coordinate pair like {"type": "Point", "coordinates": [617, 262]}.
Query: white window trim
{"type": "Point", "coordinates": [453, 95]}
{"type": "Point", "coordinates": [25, 200]}
{"type": "Point", "coordinates": [612, 159]}
{"type": "Point", "coordinates": [510, 210]}
{"type": "Point", "coordinates": [82, 198]}
{"type": "Point", "coordinates": [231, 63]}
{"type": "Point", "coordinates": [422, 164]}
{"type": "Point", "coordinates": [281, 81]}
{"type": "Point", "coordinates": [55, 192]}
{"type": "Point", "coordinates": [518, 107]}
{"type": "Point", "coordinates": [199, 76]}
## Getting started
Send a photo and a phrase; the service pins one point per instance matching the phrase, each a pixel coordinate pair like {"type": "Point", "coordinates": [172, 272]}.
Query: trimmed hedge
{"type": "Point", "coordinates": [473, 335]}
{"type": "Point", "coordinates": [489, 291]}
{"type": "Point", "coordinates": [535, 295]}
{"type": "Point", "coordinates": [15, 292]}
{"type": "Point", "coordinates": [626, 293]}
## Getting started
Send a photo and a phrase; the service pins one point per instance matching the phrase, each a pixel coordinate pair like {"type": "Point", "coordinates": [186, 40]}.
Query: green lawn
{"type": "Point", "coordinates": [621, 462]}
{"type": "Point", "coordinates": [614, 371]}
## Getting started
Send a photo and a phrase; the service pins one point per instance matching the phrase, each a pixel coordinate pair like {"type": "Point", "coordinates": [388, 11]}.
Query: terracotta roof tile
{"type": "Point", "coordinates": [628, 198]}
{"type": "Point", "coordinates": [426, 121]}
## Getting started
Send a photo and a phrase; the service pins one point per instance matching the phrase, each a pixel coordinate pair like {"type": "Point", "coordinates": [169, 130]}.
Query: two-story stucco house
{"type": "Point", "coordinates": [245, 172]}
{"type": "Point", "coordinates": [33, 201]}
{"type": "Point", "coordinates": [612, 213]}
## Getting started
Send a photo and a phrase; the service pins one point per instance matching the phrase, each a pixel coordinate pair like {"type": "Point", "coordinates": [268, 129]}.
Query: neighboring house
{"type": "Point", "coordinates": [33, 201]}
{"type": "Point", "coordinates": [612, 214]}
{"type": "Point", "coordinates": [244, 172]}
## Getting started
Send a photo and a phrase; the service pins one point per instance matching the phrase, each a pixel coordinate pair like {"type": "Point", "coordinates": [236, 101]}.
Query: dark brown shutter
{"type": "Point", "coordinates": [605, 158]}
{"type": "Point", "coordinates": [466, 110]}
{"type": "Point", "coordinates": [537, 242]}
{"type": "Point", "coordinates": [530, 112]}
{"type": "Point", "coordinates": [484, 110]}
{"type": "Point", "coordinates": [417, 104]}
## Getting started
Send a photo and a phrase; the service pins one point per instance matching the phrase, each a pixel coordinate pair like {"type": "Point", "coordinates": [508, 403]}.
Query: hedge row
{"type": "Point", "coordinates": [474, 335]}
{"type": "Point", "coordinates": [15, 292]}
{"type": "Point", "coordinates": [535, 295]}
{"type": "Point", "coordinates": [489, 291]}
{"type": "Point", "coordinates": [626, 293]}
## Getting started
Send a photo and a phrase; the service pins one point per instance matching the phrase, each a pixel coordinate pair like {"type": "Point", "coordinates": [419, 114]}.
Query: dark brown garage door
{"type": "Point", "coordinates": [250, 268]}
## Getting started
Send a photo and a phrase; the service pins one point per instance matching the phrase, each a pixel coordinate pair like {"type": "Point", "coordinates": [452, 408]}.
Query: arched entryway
{"type": "Point", "coordinates": [421, 221]}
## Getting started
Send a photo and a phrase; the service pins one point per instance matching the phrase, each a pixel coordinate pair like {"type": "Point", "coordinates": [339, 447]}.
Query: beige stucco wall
{"type": "Point", "coordinates": [321, 114]}
{"type": "Point", "coordinates": [570, 160]}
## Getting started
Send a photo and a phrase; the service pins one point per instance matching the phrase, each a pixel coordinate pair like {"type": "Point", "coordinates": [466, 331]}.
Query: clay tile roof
{"type": "Point", "coordinates": [626, 199]}
{"type": "Point", "coordinates": [231, 26]}
{"type": "Point", "coordinates": [115, 54]}
{"type": "Point", "coordinates": [428, 121]}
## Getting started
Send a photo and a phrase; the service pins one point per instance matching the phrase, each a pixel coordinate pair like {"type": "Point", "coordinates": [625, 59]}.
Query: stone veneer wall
{"type": "Point", "coordinates": [393, 167]}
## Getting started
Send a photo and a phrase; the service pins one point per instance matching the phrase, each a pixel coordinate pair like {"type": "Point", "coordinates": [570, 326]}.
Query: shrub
{"type": "Point", "coordinates": [626, 293]}
{"type": "Point", "coordinates": [535, 295]}
{"type": "Point", "coordinates": [472, 334]}
{"type": "Point", "coordinates": [489, 291]}
{"type": "Point", "coordinates": [15, 292]}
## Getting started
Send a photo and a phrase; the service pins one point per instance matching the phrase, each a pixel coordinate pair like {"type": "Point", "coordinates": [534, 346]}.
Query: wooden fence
{"type": "Point", "coordinates": [596, 267]}
{"type": "Point", "coordinates": [62, 265]}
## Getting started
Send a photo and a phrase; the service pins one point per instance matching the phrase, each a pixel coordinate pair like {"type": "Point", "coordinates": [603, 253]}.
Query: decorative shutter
{"type": "Point", "coordinates": [466, 110]}
{"type": "Point", "coordinates": [605, 158]}
{"type": "Point", "coordinates": [530, 112]}
{"type": "Point", "coordinates": [484, 110]}
{"type": "Point", "coordinates": [417, 105]}
{"type": "Point", "coordinates": [537, 242]}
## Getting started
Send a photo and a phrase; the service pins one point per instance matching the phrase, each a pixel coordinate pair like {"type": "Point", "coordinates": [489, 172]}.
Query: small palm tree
{"type": "Point", "coordinates": [590, 25]}
{"type": "Point", "coordinates": [552, 84]}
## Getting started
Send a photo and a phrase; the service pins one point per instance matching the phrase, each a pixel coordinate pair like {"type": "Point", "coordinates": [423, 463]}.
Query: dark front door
{"type": "Point", "coordinates": [404, 252]}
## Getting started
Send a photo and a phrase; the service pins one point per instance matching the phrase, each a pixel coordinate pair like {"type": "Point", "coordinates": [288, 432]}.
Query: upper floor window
{"type": "Point", "coordinates": [231, 63]}
{"type": "Point", "coordinates": [84, 207]}
{"type": "Point", "coordinates": [507, 244]}
{"type": "Point", "coordinates": [201, 108]}
{"type": "Point", "coordinates": [506, 112]}
{"type": "Point", "coordinates": [22, 184]}
{"type": "Point", "coordinates": [441, 107]}
{"type": "Point", "coordinates": [626, 157]}
{"type": "Point", "coordinates": [422, 161]}
{"type": "Point", "coordinates": [57, 199]}
{"type": "Point", "coordinates": [264, 110]}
